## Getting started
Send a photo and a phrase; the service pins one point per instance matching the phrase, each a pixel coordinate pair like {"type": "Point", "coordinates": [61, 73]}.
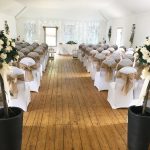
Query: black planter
{"type": "Point", "coordinates": [11, 129]}
{"type": "Point", "coordinates": [138, 129]}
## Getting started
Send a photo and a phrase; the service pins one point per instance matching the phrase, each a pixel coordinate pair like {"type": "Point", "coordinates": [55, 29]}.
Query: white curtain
{"type": "Point", "coordinates": [30, 31]}
{"type": "Point", "coordinates": [77, 31]}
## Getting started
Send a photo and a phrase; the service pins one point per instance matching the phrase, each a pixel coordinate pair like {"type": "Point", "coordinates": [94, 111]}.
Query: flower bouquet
{"type": "Point", "coordinates": [11, 118]}
{"type": "Point", "coordinates": [138, 116]}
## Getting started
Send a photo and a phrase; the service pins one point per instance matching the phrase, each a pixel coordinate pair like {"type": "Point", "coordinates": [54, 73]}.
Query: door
{"type": "Point", "coordinates": [50, 36]}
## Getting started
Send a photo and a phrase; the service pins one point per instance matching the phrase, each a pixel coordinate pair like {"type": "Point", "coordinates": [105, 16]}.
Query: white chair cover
{"type": "Point", "coordinates": [116, 97]}
{"type": "Point", "coordinates": [95, 67]}
{"type": "Point", "coordinates": [100, 78]}
{"type": "Point", "coordinates": [23, 97]}
{"type": "Point", "coordinates": [34, 85]}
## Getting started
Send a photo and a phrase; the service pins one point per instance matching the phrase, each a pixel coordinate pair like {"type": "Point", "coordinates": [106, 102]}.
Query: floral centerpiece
{"type": "Point", "coordinates": [71, 42]}
{"type": "Point", "coordinates": [142, 56]}
{"type": "Point", "coordinates": [8, 53]}
{"type": "Point", "coordinates": [6, 27]}
{"type": "Point", "coordinates": [109, 33]}
{"type": "Point", "coordinates": [139, 115]}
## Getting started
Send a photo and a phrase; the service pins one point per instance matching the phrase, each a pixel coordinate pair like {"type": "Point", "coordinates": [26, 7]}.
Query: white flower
{"type": "Point", "coordinates": [8, 43]}
{"type": "Point", "coordinates": [13, 44]}
{"type": "Point", "coordinates": [146, 42]}
{"type": "Point", "coordinates": [1, 42]}
{"type": "Point", "coordinates": [146, 73]}
{"type": "Point", "coordinates": [148, 60]}
{"type": "Point", "coordinates": [146, 57]}
{"type": "Point", "coordinates": [1, 47]}
{"type": "Point", "coordinates": [17, 57]}
{"type": "Point", "coordinates": [144, 50]}
{"type": "Point", "coordinates": [3, 56]}
{"type": "Point", "coordinates": [8, 48]}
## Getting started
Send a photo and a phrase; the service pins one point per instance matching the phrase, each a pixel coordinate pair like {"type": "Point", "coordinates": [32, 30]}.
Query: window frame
{"type": "Point", "coordinates": [44, 27]}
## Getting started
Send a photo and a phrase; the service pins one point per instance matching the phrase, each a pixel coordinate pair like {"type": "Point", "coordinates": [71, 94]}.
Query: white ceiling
{"type": "Point", "coordinates": [90, 8]}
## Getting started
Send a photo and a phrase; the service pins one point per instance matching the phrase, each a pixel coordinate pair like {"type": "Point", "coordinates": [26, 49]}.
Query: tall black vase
{"type": "Point", "coordinates": [11, 129]}
{"type": "Point", "coordinates": [138, 129]}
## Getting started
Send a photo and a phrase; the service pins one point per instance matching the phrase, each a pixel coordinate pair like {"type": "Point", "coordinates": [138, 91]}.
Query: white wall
{"type": "Point", "coordinates": [126, 24]}
{"type": "Point", "coordinates": [142, 30]}
{"type": "Point", "coordinates": [11, 23]}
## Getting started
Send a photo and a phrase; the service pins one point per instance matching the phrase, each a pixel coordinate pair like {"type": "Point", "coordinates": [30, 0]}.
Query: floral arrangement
{"type": "Point", "coordinates": [132, 34]}
{"type": "Point", "coordinates": [142, 56]}
{"type": "Point", "coordinates": [6, 27]}
{"type": "Point", "coordinates": [8, 52]}
{"type": "Point", "coordinates": [143, 53]}
{"type": "Point", "coordinates": [109, 33]}
{"type": "Point", "coordinates": [71, 42]}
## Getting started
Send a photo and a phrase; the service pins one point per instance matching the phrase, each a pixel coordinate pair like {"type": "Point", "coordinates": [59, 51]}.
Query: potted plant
{"type": "Point", "coordinates": [139, 116]}
{"type": "Point", "coordinates": [109, 33]}
{"type": "Point", "coordinates": [10, 117]}
{"type": "Point", "coordinates": [6, 27]}
{"type": "Point", "coordinates": [71, 42]}
{"type": "Point", "coordinates": [132, 35]}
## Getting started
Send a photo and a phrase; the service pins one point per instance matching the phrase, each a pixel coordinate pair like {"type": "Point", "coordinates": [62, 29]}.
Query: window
{"type": "Point", "coordinates": [119, 36]}
{"type": "Point", "coordinates": [50, 36]}
{"type": "Point", "coordinates": [69, 33]}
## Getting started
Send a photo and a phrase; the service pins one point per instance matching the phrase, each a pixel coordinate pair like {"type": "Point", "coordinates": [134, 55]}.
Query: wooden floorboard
{"type": "Point", "coordinates": [69, 113]}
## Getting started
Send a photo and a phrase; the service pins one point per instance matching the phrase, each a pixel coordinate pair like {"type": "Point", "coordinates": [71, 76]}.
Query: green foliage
{"type": "Point", "coordinates": [8, 52]}
{"type": "Point", "coordinates": [109, 33]}
{"type": "Point", "coordinates": [71, 42]}
{"type": "Point", "coordinates": [6, 28]}
{"type": "Point", "coordinates": [132, 34]}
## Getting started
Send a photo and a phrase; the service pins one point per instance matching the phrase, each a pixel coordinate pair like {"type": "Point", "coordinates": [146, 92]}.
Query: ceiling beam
{"type": "Point", "coordinates": [21, 12]}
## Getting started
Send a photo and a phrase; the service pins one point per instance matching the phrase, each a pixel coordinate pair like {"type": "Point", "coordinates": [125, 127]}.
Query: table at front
{"type": "Point", "coordinates": [67, 49]}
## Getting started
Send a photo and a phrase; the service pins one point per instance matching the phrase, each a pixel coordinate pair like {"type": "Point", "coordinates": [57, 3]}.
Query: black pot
{"type": "Point", "coordinates": [138, 129]}
{"type": "Point", "coordinates": [11, 129]}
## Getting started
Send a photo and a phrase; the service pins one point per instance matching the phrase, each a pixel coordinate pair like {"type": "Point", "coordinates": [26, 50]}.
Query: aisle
{"type": "Point", "coordinates": [70, 114]}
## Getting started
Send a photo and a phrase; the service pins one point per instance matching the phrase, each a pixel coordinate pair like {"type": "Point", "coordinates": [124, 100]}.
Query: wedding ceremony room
{"type": "Point", "coordinates": [75, 75]}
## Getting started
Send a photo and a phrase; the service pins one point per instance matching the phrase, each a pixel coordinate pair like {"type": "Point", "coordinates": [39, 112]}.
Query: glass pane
{"type": "Point", "coordinates": [119, 36]}
{"type": "Point", "coordinates": [51, 38]}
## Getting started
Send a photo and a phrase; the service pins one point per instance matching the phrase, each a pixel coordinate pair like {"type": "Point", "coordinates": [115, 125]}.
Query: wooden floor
{"type": "Point", "coordinates": [69, 113]}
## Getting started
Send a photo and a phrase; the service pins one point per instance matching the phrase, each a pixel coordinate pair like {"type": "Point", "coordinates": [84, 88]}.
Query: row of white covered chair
{"type": "Point", "coordinates": [25, 77]}
{"type": "Point", "coordinates": [104, 66]}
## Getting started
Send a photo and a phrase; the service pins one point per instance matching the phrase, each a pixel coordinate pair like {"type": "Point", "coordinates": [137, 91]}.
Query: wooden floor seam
{"type": "Point", "coordinates": [69, 113]}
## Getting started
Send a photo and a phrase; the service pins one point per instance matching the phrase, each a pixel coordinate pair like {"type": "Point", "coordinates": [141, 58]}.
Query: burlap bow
{"type": "Point", "coordinates": [109, 71]}
{"type": "Point", "coordinates": [12, 81]}
{"type": "Point", "coordinates": [98, 63]}
{"type": "Point", "coordinates": [28, 71]}
{"type": "Point", "coordinates": [139, 71]}
{"type": "Point", "coordinates": [128, 81]}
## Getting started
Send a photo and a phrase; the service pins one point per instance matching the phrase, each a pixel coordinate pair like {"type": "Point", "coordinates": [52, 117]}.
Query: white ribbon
{"type": "Point", "coordinates": [146, 76]}
{"type": "Point", "coordinates": [4, 71]}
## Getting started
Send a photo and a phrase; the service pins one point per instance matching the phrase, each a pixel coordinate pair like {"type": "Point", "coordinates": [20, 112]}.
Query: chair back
{"type": "Point", "coordinates": [25, 51]}
{"type": "Point", "coordinates": [124, 63]}
{"type": "Point", "coordinates": [34, 55]}
{"type": "Point", "coordinates": [128, 75]}
{"type": "Point", "coordinates": [108, 65]}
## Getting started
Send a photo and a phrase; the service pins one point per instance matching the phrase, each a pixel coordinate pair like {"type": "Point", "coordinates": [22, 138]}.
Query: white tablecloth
{"type": "Point", "coordinates": [67, 49]}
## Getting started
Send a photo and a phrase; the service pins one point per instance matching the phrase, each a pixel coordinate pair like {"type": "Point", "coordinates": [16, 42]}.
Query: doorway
{"type": "Point", "coordinates": [50, 36]}
{"type": "Point", "coordinates": [119, 36]}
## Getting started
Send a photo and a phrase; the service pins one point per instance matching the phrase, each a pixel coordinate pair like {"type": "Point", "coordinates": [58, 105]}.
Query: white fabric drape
{"type": "Point", "coordinates": [78, 31]}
